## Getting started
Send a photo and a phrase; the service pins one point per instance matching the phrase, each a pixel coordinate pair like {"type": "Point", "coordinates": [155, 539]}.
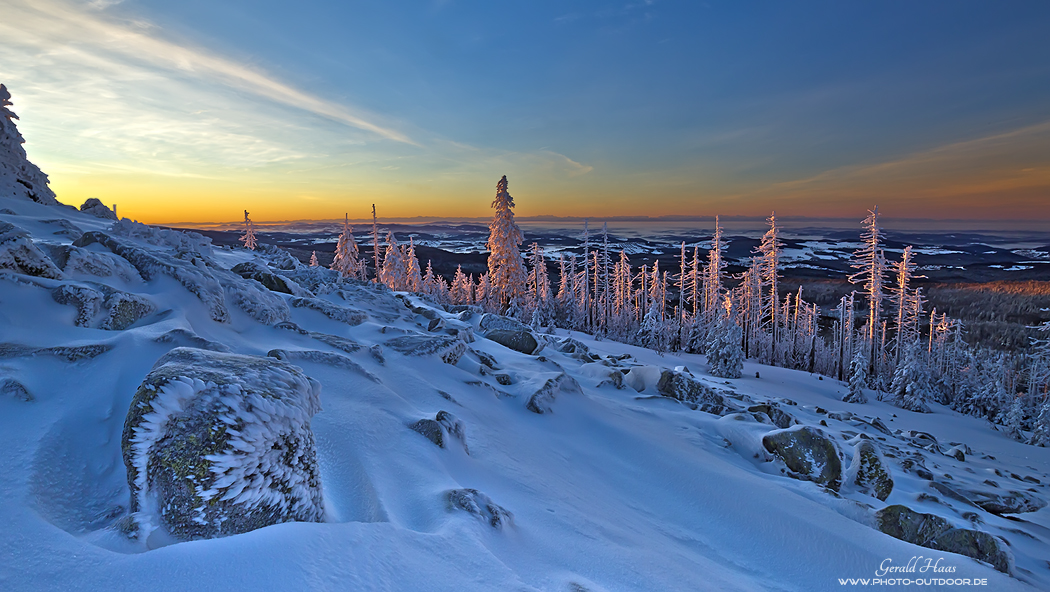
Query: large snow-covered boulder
{"type": "Point", "coordinates": [447, 347]}
{"type": "Point", "coordinates": [94, 207]}
{"type": "Point", "coordinates": [18, 176]}
{"type": "Point", "coordinates": [218, 444]}
{"type": "Point", "coordinates": [542, 400]}
{"type": "Point", "coordinates": [480, 505]}
{"type": "Point", "coordinates": [808, 454]}
{"type": "Point", "coordinates": [271, 281]}
{"type": "Point", "coordinates": [934, 532]}
{"type": "Point", "coordinates": [680, 386]}
{"type": "Point", "coordinates": [509, 333]}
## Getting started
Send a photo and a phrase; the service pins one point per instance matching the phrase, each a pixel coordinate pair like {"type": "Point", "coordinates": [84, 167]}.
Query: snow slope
{"type": "Point", "coordinates": [615, 489]}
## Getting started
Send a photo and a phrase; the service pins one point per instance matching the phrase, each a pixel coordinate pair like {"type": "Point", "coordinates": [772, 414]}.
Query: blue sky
{"type": "Point", "coordinates": [937, 109]}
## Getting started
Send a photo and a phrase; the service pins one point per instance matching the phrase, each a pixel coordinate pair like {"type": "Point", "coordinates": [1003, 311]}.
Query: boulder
{"type": "Point", "coordinates": [70, 353]}
{"type": "Point", "coordinates": [540, 402]}
{"type": "Point", "coordinates": [680, 386]}
{"type": "Point", "coordinates": [343, 314]}
{"type": "Point", "coordinates": [321, 357]}
{"type": "Point", "coordinates": [780, 418]}
{"type": "Point", "coordinates": [271, 281]}
{"type": "Point", "coordinates": [218, 444]}
{"type": "Point", "coordinates": [443, 427]}
{"type": "Point", "coordinates": [449, 348]}
{"type": "Point", "coordinates": [94, 207]}
{"type": "Point", "coordinates": [808, 453]}
{"type": "Point", "coordinates": [934, 532]}
{"type": "Point", "coordinates": [1006, 502]}
{"type": "Point", "coordinates": [521, 341]}
{"type": "Point", "coordinates": [19, 254]}
{"type": "Point", "coordinates": [478, 504]}
{"type": "Point", "coordinates": [9, 387]}
{"type": "Point", "coordinates": [869, 471]}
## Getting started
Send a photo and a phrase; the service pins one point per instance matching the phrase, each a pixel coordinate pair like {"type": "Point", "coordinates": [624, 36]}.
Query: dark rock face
{"type": "Point", "coordinates": [449, 348]}
{"type": "Point", "coordinates": [480, 505]}
{"type": "Point", "coordinates": [521, 341]}
{"type": "Point", "coordinates": [94, 207]}
{"type": "Point", "coordinates": [808, 453]}
{"type": "Point", "coordinates": [541, 401]}
{"type": "Point", "coordinates": [934, 532]}
{"type": "Point", "coordinates": [868, 472]}
{"type": "Point", "coordinates": [269, 280]}
{"type": "Point", "coordinates": [218, 444]}
{"type": "Point", "coordinates": [441, 429]}
{"type": "Point", "coordinates": [678, 385]}
{"type": "Point", "coordinates": [780, 418]}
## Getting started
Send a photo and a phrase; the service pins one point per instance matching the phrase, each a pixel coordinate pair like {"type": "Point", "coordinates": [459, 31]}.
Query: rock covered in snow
{"type": "Point", "coordinates": [780, 418]}
{"type": "Point", "coordinates": [509, 333]}
{"type": "Point", "coordinates": [9, 387]}
{"type": "Point", "coordinates": [70, 353]}
{"type": "Point", "coordinates": [869, 471]}
{"type": "Point", "coordinates": [119, 310]}
{"type": "Point", "coordinates": [474, 502]}
{"type": "Point", "coordinates": [680, 386]}
{"type": "Point", "coordinates": [934, 532]}
{"type": "Point", "coordinates": [18, 176]}
{"type": "Point", "coordinates": [440, 429]}
{"type": "Point", "coordinates": [271, 281]}
{"type": "Point", "coordinates": [19, 254]}
{"type": "Point", "coordinates": [448, 348]}
{"type": "Point", "coordinates": [94, 207]}
{"type": "Point", "coordinates": [541, 401]}
{"type": "Point", "coordinates": [218, 444]}
{"type": "Point", "coordinates": [808, 453]}
{"type": "Point", "coordinates": [343, 314]}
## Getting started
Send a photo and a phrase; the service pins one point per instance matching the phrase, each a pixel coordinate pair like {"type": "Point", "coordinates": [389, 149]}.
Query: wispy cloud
{"type": "Point", "coordinates": [57, 24]}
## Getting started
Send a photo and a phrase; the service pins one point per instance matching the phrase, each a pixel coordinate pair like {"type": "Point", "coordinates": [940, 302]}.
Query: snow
{"type": "Point", "coordinates": [613, 489]}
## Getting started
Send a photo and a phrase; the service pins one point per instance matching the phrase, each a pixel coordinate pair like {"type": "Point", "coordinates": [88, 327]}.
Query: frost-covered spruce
{"type": "Point", "coordinates": [506, 274]}
{"type": "Point", "coordinates": [347, 257]}
{"type": "Point", "coordinates": [218, 444]}
{"type": "Point", "coordinates": [911, 382]}
{"type": "Point", "coordinates": [18, 176]}
{"type": "Point", "coordinates": [725, 357]}
{"type": "Point", "coordinates": [858, 374]}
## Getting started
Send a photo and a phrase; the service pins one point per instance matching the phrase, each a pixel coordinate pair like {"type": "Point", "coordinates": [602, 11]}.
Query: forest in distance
{"type": "Point", "coordinates": [980, 348]}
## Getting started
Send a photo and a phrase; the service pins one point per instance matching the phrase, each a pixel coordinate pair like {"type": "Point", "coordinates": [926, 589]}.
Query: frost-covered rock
{"type": "Point", "coordinates": [187, 338]}
{"type": "Point", "coordinates": [94, 207]}
{"type": "Point", "coordinates": [1005, 502]}
{"type": "Point", "coordinates": [542, 400]}
{"type": "Point", "coordinates": [808, 453]}
{"type": "Point", "coordinates": [11, 388]}
{"type": "Point", "coordinates": [934, 532]}
{"type": "Point", "coordinates": [75, 261]}
{"type": "Point", "coordinates": [869, 471]}
{"type": "Point", "coordinates": [780, 418]}
{"type": "Point", "coordinates": [343, 314]}
{"type": "Point", "coordinates": [321, 357]}
{"type": "Point", "coordinates": [218, 444]}
{"type": "Point", "coordinates": [495, 322]}
{"type": "Point", "coordinates": [521, 341]}
{"type": "Point", "coordinates": [70, 353]}
{"type": "Point", "coordinates": [18, 176]}
{"type": "Point", "coordinates": [19, 254]}
{"type": "Point", "coordinates": [190, 270]}
{"type": "Point", "coordinates": [269, 280]}
{"type": "Point", "coordinates": [448, 348]}
{"type": "Point", "coordinates": [262, 305]}
{"type": "Point", "coordinates": [680, 386]}
{"type": "Point", "coordinates": [474, 502]}
{"type": "Point", "coordinates": [119, 310]}
{"type": "Point", "coordinates": [441, 429]}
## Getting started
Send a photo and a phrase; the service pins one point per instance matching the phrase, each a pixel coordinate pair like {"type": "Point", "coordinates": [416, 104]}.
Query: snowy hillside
{"type": "Point", "coordinates": [582, 465]}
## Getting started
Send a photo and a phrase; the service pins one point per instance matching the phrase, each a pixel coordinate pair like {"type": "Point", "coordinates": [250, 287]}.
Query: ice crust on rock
{"type": "Point", "coordinates": [218, 444]}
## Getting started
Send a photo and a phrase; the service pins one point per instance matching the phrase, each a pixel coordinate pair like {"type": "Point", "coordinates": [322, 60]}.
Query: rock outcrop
{"type": "Point", "coordinates": [808, 454]}
{"type": "Point", "coordinates": [934, 532]}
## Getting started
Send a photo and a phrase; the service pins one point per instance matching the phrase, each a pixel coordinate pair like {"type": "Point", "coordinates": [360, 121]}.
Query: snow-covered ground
{"type": "Point", "coordinates": [614, 489]}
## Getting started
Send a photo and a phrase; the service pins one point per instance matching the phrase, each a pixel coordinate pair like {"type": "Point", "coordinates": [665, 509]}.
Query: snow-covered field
{"type": "Point", "coordinates": [612, 489]}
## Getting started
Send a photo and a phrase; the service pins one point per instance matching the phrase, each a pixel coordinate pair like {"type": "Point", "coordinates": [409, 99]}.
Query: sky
{"type": "Point", "coordinates": [196, 110]}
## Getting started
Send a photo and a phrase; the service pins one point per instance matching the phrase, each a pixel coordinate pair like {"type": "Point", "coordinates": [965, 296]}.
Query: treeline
{"type": "Point", "coordinates": [883, 337]}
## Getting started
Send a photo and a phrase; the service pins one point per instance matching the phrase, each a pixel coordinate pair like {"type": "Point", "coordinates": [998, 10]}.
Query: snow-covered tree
{"type": "Point", "coordinates": [248, 238]}
{"type": "Point", "coordinates": [506, 274]}
{"type": "Point", "coordinates": [712, 283]}
{"type": "Point", "coordinates": [769, 252]}
{"type": "Point", "coordinates": [413, 279]}
{"type": "Point", "coordinates": [28, 179]}
{"type": "Point", "coordinates": [911, 386]}
{"type": "Point", "coordinates": [313, 259]}
{"type": "Point", "coordinates": [870, 263]}
{"type": "Point", "coordinates": [725, 357]}
{"type": "Point", "coordinates": [1041, 426]}
{"type": "Point", "coordinates": [1012, 418]}
{"type": "Point", "coordinates": [858, 374]}
{"type": "Point", "coordinates": [461, 291]}
{"type": "Point", "coordinates": [375, 244]}
{"type": "Point", "coordinates": [395, 271]}
{"type": "Point", "coordinates": [346, 260]}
